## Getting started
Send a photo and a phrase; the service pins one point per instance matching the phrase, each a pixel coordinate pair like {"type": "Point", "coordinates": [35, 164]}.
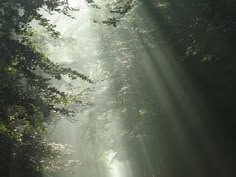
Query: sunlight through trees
{"type": "Point", "coordinates": [117, 88]}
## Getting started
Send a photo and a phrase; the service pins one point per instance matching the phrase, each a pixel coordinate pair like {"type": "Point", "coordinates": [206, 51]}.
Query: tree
{"type": "Point", "coordinates": [29, 102]}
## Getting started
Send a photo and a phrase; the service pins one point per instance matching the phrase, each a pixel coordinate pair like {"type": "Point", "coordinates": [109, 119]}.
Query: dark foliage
{"type": "Point", "coordinates": [27, 97]}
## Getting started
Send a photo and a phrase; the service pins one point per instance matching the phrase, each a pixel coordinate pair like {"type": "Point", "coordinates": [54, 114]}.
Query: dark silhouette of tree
{"type": "Point", "coordinates": [29, 101]}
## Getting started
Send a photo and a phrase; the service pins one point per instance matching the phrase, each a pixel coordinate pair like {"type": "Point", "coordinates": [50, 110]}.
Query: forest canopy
{"type": "Point", "coordinates": [197, 35]}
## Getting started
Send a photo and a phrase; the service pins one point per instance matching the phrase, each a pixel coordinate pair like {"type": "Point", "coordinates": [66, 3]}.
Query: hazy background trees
{"type": "Point", "coordinates": [190, 45]}
{"type": "Point", "coordinates": [164, 102]}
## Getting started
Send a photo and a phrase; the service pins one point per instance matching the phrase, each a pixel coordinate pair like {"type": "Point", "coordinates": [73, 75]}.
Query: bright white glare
{"type": "Point", "coordinates": [114, 165]}
{"type": "Point", "coordinates": [77, 3]}
{"type": "Point", "coordinates": [115, 170]}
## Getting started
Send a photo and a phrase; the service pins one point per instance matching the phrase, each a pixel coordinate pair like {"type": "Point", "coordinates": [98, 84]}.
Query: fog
{"type": "Point", "coordinates": [142, 114]}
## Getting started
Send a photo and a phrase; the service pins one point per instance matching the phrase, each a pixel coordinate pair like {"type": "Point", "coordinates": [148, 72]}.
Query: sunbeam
{"type": "Point", "coordinates": [121, 88]}
{"type": "Point", "coordinates": [182, 130]}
